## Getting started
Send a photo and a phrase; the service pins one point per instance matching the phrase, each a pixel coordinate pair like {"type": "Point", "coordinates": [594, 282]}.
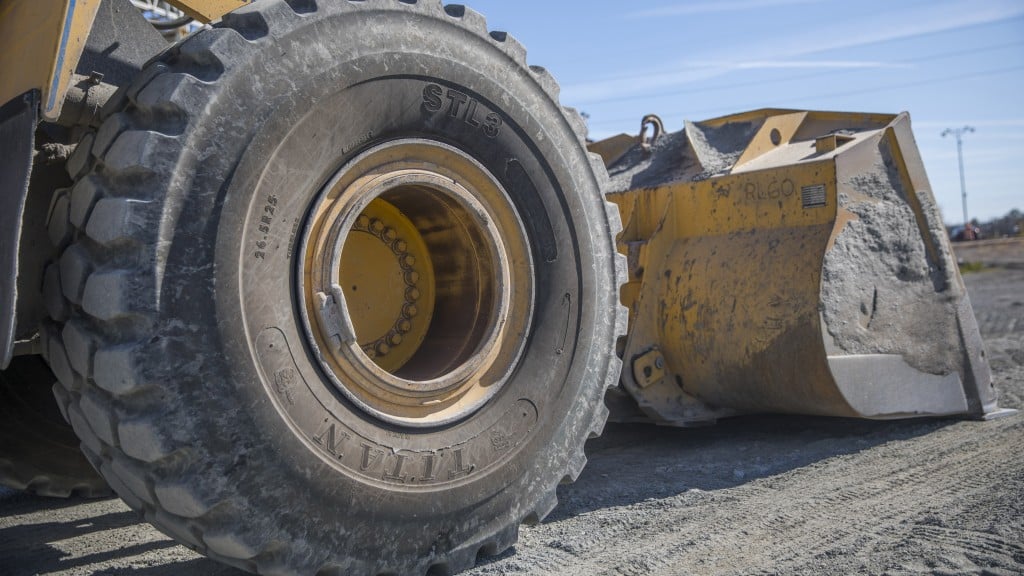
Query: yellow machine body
{"type": "Point", "coordinates": [41, 42]}
{"type": "Point", "coordinates": [790, 261]}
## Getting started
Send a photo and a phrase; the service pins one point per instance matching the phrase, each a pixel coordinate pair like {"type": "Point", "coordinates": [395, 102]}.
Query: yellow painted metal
{"type": "Point", "coordinates": [704, 298]}
{"type": "Point", "coordinates": [611, 149]}
{"type": "Point", "coordinates": [387, 276]}
{"type": "Point", "coordinates": [777, 128]}
{"type": "Point", "coordinates": [731, 311]}
{"type": "Point", "coordinates": [41, 42]}
{"type": "Point", "coordinates": [207, 11]}
{"type": "Point", "coordinates": [649, 368]}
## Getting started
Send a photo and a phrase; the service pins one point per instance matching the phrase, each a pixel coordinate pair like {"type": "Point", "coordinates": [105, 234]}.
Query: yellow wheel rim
{"type": "Point", "coordinates": [416, 283]}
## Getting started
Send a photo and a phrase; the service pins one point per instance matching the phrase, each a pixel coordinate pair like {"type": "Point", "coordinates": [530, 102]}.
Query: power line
{"type": "Point", "coordinates": [751, 83]}
{"type": "Point", "coordinates": [855, 92]}
{"type": "Point", "coordinates": [917, 83]}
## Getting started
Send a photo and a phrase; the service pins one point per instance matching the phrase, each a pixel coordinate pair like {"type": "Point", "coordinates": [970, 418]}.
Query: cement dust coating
{"type": "Point", "coordinates": [879, 273]}
{"type": "Point", "coordinates": [763, 494]}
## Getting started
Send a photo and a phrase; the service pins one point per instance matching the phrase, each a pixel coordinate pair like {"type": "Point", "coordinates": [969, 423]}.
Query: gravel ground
{"type": "Point", "coordinates": [758, 495]}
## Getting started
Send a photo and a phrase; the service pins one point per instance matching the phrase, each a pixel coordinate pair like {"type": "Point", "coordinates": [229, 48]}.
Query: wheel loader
{"type": "Point", "coordinates": [339, 287]}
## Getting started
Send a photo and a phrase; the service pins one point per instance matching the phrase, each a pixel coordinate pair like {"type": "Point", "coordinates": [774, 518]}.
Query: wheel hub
{"type": "Point", "coordinates": [389, 284]}
{"type": "Point", "coordinates": [416, 283]}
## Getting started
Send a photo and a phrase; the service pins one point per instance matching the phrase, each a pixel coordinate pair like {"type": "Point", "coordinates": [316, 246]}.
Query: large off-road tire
{"type": "Point", "coordinates": [340, 290]}
{"type": "Point", "coordinates": [38, 450]}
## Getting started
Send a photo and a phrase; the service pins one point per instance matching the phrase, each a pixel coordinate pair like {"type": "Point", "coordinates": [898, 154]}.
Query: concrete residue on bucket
{"type": "Point", "coordinates": [697, 152]}
{"type": "Point", "coordinates": [880, 293]}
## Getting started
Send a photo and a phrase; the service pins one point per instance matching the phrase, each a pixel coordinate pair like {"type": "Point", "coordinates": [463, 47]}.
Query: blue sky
{"type": "Point", "coordinates": [949, 63]}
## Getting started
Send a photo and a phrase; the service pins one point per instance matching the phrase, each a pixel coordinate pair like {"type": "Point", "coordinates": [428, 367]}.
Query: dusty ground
{"type": "Point", "coordinates": [762, 495]}
{"type": "Point", "coordinates": [1003, 252]}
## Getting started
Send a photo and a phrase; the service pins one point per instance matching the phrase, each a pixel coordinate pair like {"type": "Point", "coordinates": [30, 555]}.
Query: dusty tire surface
{"type": "Point", "coordinates": [187, 368]}
{"type": "Point", "coordinates": [762, 495]}
{"type": "Point", "coordinates": [38, 449]}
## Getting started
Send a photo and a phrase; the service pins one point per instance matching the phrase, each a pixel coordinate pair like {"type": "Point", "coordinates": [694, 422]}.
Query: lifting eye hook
{"type": "Point", "coordinates": [659, 128]}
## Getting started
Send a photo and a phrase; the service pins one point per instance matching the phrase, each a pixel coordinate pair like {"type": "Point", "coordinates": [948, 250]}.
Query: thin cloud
{"type": "Point", "coordinates": [814, 64]}
{"type": "Point", "coordinates": [931, 18]}
{"type": "Point", "coordinates": [691, 8]}
{"type": "Point", "coordinates": [641, 84]}
{"type": "Point", "coordinates": [994, 123]}
{"type": "Point", "coordinates": [695, 71]}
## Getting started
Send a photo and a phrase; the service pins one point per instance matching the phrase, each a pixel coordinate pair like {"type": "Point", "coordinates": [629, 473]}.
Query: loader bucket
{"type": "Point", "coordinates": [795, 262]}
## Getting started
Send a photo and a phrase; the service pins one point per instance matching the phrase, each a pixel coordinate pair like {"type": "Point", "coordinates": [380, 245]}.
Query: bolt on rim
{"type": "Point", "coordinates": [416, 283]}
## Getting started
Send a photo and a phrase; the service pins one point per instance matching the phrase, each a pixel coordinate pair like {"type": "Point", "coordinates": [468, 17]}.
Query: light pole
{"type": "Point", "coordinates": [958, 133]}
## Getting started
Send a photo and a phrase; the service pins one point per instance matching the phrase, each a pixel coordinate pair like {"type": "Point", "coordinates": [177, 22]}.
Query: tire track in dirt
{"type": "Point", "coordinates": [910, 497]}
{"type": "Point", "coordinates": [999, 310]}
{"type": "Point", "coordinates": [802, 520]}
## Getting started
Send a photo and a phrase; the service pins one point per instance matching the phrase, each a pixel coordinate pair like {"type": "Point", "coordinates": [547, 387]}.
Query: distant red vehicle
{"type": "Point", "coordinates": [964, 233]}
